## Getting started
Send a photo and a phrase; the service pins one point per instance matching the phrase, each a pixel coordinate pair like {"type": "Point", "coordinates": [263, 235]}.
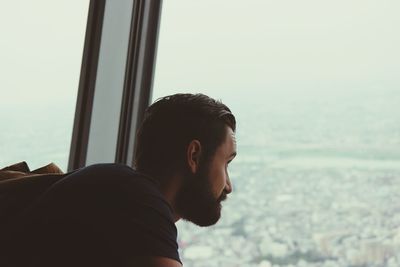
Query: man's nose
{"type": "Point", "coordinates": [228, 186]}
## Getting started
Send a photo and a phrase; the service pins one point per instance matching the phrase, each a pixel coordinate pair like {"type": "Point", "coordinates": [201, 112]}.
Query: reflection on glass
{"type": "Point", "coordinates": [315, 89]}
{"type": "Point", "coordinates": [41, 51]}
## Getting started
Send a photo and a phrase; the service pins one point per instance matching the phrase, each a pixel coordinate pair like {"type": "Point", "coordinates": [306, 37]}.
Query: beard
{"type": "Point", "coordinates": [196, 202]}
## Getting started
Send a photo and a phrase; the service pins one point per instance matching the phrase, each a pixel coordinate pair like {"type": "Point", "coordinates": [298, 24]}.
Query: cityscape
{"type": "Point", "coordinates": [299, 218]}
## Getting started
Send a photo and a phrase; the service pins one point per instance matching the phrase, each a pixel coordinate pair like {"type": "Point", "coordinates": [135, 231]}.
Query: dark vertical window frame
{"type": "Point", "coordinates": [83, 110]}
{"type": "Point", "coordinates": [139, 75]}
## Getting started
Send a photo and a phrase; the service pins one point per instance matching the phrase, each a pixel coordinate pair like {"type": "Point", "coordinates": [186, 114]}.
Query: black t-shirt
{"type": "Point", "coordinates": [101, 215]}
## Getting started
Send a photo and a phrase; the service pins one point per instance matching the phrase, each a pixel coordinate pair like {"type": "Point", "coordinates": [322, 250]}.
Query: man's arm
{"type": "Point", "coordinates": [164, 262]}
{"type": "Point", "coordinates": [157, 262]}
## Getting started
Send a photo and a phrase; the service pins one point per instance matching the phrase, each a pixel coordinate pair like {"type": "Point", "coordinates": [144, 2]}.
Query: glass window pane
{"type": "Point", "coordinates": [41, 52]}
{"type": "Point", "coordinates": [315, 89]}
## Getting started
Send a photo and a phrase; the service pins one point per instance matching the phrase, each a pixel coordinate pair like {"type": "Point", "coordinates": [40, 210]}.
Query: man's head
{"type": "Point", "coordinates": [192, 136]}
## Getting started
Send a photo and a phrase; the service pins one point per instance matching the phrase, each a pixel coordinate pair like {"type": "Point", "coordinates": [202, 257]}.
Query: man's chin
{"type": "Point", "coordinates": [207, 223]}
{"type": "Point", "coordinates": [207, 219]}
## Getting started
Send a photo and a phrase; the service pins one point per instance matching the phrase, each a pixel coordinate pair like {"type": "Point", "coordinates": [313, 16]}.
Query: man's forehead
{"type": "Point", "coordinates": [232, 138]}
{"type": "Point", "coordinates": [232, 133]}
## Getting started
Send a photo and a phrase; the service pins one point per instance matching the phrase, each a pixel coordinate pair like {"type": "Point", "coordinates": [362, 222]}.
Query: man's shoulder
{"type": "Point", "coordinates": [109, 176]}
{"type": "Point", "coordinates": [103, 187]}
{"type": "Point", "coordinates": [112, 172]}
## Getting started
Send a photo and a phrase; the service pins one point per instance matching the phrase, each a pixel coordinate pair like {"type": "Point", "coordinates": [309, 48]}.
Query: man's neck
{"type": "Point", "coordinates": [169, 191]}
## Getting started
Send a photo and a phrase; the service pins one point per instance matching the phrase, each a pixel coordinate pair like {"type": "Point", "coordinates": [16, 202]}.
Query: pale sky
{"type": "Point", "coordinates": [232, 45]}
{"type": "Point", "coordinates": [209, 45]}
{"type": "Point", "coordinates": [41, 49]}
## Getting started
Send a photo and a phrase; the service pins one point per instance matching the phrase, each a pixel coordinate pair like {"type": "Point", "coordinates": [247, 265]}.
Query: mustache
{"type": "Point", "coordinates": [222, 197]}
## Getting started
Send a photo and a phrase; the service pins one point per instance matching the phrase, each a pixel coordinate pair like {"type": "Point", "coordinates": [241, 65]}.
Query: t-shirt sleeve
{"type": "Point", "coordinates": [153, 227]}
{"type": "Point", "coordinates": [146, 226]}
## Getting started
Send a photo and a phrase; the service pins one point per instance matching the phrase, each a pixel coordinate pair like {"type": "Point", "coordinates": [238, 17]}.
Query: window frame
{"type": "Point", "coordinates": [87, 147]}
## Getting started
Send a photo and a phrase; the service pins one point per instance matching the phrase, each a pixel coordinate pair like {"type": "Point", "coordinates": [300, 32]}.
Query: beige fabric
{"type": "Point", "coordinates": [21, 170]}
{"type": "Point", "coordinates": [19, 186]}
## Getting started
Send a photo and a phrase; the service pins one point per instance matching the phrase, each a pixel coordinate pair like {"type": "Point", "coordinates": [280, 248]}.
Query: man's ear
{"type": "Point", "coordinates": [193, 154]}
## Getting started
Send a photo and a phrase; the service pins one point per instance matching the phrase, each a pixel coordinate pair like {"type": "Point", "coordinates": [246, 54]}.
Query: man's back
{"type": "Point", "coordinates": [102, 215]}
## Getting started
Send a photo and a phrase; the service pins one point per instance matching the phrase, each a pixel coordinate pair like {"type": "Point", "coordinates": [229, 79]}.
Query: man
{"type": "Point", "coordinates": [112, 215]}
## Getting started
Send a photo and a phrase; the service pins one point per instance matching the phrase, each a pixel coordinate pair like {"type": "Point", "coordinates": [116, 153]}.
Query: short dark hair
{"type": "Point", "coordinates": [171, 123]}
